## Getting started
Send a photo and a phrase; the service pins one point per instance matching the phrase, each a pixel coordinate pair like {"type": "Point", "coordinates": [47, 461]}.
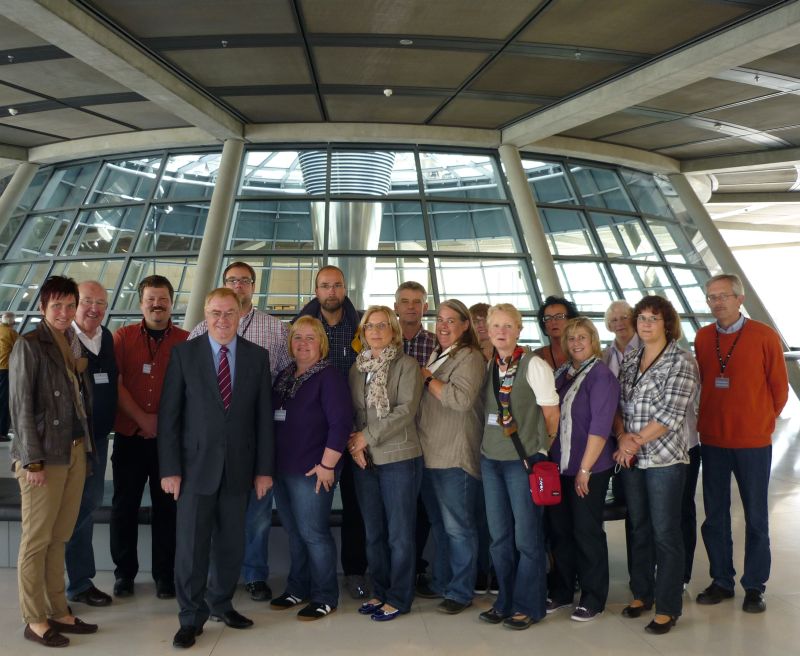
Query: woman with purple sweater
{"type": "Point", "coordinates": [589, 395]}
{"type": "Point", "coordinates": [313, 418]}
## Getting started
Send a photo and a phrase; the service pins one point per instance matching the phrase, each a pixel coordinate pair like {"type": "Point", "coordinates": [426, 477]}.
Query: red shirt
{"type": "Point", "coordinates": [142, 363]}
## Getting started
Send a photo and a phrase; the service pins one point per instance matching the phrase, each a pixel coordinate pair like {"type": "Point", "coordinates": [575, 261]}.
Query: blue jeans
{"type": "Point", "coordinates": [654, 498]}
{"type": "Point", "coordinates": [516, 526]}
{"type": "Point", "coordinates": [449, 496]}
{"type": "Point", "coordinates": [79, 552]}
{"type": "Point", "coordinates": [256, 538]}
{"type": "Point", "coordinates": [305, 516]}
{"type": "Point", "coordinates": [387, 496]}
{"type": "Point", "coordinates": [751, 467]}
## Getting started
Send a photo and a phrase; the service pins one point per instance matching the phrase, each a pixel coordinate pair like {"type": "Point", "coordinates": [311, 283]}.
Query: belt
{"type": "Point", "coordinates": [77, 441]}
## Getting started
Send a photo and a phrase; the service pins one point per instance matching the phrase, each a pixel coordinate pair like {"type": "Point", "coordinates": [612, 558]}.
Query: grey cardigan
{"type": "Point", "coordinates": [393, 438]}
{"type": "Point", "coordinates": [449, 430]}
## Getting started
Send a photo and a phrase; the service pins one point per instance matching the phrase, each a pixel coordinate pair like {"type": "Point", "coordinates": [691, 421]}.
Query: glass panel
{"type": "Point", "coordinates": [600, 187]}
{"type": "Point", "coordinates": [40, 235]}
{"type": "Point", "coordinates": [275, 173]}
{"type": "Point", "coordinates": [640, 280]}
{"type": "Point", "coordinates": [267, 225]}
{"type": "Point", "coordinates": [461, 176]}
{"type": "Point", "coordinates": [566, 232]}
{"type": "Point", "coordinates": [19, 284]}
{"type": "Point", "coordinates": [674, 243]}
{"type": "Point", "coordinates": [370, 173]}
{"type": "Point", "coordinates": [647, 195]}
{"type": "Point", "coordinates": [189, 177]}
{"type": "Point", "coordinates": [381, 277]}
{"type": "Point", "coordinates": [34, 189]}
{"type": "Point", "coordinates": [549, 182]}
{"type": "Point", "coordinates": [67, 187]}
{"type": "Point", "coordinates": [283, 284]}
{"type": "Point", "coordinates": [9, 231]}
{"type": "Point", "coordinates": [173, 228]}
{"type": "Point", "coordinates": [689, 333]}
{"type": "Point", "coordinates": [105, 231]}
{"type": "Point", "coordinates": [623, 236]}
{"type": "Point", "coordinates": [402, 227]}
{"type": "Point", "coordinates": [586, 284]}
{"type": "Point", "coordinates": [692, 284]}
{"type": "Point", "coordinates": [115, 322]}
{"type": "Point", "coordinates": [365, 225]}
{"type": "Point", "coordinates": [472, 228]}
{"type": "Point", "coordinates": [178, 270]}
{"type": "Point", "coordinates": [677, 208]}
{"type": "Point", "coordinates": [485, 281]}
{"type": "Point", "coordinates": [106, 272]}
{"type": "Point", "coordinates": [125, 180]}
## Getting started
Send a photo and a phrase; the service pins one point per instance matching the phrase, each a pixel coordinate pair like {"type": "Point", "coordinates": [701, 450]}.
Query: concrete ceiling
{"type": "Point", "coordinates": [712, 86]}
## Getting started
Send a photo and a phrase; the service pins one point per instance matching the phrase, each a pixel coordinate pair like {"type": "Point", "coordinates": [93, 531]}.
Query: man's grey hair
{"type": "Point", "coordinates": [410, 285]}
{"type": "Point", "coordinates": [736, 282]}
{"type": "Point", "coordinates": [9, 318]}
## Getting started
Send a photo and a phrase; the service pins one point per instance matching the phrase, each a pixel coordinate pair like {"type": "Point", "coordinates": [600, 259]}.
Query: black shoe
{"type": "Point", "coordinates": [259, 590]}
{"type": "Point", "coordinates": [285, 601]}
{"type": "Point", "coordinates": [233, 620]}
{"type": "Point", "coordinates": [713, 594]}
{"type": "Point", "coordinates": [492, 616]}
{"type": "Point", "coordinates": [660, 629]}
{"type": "Point", "coordinates": [185, 636]}
{"type": "Point", "coordinates": [481, 583]}
{"type": "Point", "coordinates": [165, 589]}
{"type": "Point", "coordinates": [92, 597]}
{"type": "Point", "coordinates": [423, 588]}
{"type": "Point", "coordinates": [518, 622]}
{"type": "Point", "coordinates": [452, 607]}
{"type": "Point", "coordinates": [123, 587]}
{"type": "Point", "coordinates": [754, 601]}
{"type": "Point", "coordinates": [635, 611]}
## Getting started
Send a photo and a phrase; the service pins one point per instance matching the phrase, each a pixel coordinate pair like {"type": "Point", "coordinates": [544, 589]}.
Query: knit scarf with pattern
{"type": "Point", "coordinates": [504, 396]}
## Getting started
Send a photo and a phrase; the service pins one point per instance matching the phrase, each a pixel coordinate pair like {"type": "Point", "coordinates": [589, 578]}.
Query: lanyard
{"type": "Point", "coordinates": [154, 354]}
{"type": "Point", "coordinates": [247, 325]}
{"type": "Point", "coordinates": [724, 363]}
{"type": "Point", "coordinates": [568, 380]}
{"type": "Point", "coordinates": [638, 378]}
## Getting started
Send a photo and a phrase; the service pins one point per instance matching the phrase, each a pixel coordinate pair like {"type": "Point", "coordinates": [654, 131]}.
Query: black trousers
{"type": "Point", "coordinates": [134, 462]}
{"type": "Point", "coordinates": [579, 543]}
{"type": "Point", "coordinates": [354, 550]}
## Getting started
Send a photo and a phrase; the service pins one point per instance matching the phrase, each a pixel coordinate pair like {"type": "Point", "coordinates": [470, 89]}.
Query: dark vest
{"type": "Point", "coordinates": [104, 395]}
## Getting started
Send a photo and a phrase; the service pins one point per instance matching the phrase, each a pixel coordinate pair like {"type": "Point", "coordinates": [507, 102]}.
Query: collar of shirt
{"type": "Point", "coordinates": [91, 343]}
{"type": "Point", "coordinates": [143, 327]}
{"type": "Point", "coordinates": [215, 348]}
{"type": "Point", "coordinates": [416, 336]}
{"type": "Point", "coordinates": [735, 327]}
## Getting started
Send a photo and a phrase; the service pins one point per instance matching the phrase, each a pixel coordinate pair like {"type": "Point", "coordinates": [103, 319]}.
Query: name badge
{"type": "Point", "coordinates": [720, 382]}
{"type": "Point", "coordinates": [280, 414]}
{"type": "Point", "coordinates": [101, 378]}
{"type": "Point", "coordinates": [147, 368]}
{"type": "Point", "coordinates": [491, 420]}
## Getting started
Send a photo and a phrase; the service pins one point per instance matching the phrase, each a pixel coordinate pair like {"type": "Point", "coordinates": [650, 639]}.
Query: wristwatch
{"type": "Point", "coordinates": [34, 466]}
{"type": "Point", "coordinates": [428, 381]}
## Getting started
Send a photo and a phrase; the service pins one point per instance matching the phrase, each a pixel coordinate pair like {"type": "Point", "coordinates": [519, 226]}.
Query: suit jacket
{"type": "Point", "coordinates": [197, 438]}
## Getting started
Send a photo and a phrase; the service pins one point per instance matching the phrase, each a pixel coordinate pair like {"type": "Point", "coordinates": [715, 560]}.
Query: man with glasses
{"type": "Point", "coordinates": [270, 334]}
{"type": "Point", "coordinates": [744, 386]}
{"type": "Point", "coordinates": [340, 319]}
{"type": "Point", "coordinates": [97, 345]}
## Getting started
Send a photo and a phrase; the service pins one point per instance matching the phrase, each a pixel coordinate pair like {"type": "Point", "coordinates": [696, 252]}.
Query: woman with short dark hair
{"type": "Point", "coordinates": [552, 316]}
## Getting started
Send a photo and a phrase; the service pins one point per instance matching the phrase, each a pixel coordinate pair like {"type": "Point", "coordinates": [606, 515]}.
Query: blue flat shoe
{"type": "Point", "coordinates": [368, 609]}
{"type": "Point", "coordinates": [382, 616]}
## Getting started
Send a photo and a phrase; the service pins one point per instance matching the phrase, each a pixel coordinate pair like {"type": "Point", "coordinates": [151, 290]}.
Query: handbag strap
{"type": "Point", "coordinates": [515, 435]}
{"type": "Point", "coordinates": [520, 451]}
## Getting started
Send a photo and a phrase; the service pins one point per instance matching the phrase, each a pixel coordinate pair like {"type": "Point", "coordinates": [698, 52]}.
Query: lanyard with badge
{"type": "Point", "coordinates": [247, 325]}
{"type": "Point", "coordinates": [147, 367]}
{"type": "Point", "coordinates": [721, 381]}
{"type": "Point", "coordinates": [628, 403]}
{"type": "Point", "coordinates": [100, 377]}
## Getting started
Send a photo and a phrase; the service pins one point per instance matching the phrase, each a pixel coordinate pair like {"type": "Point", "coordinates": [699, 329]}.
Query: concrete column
{"type": "Point", "coordinates": [213, 244]}
{"type": "Point", "coordinates": [528, 214]}
{"type": "Point", "coordinates": [728, 264]}
{"type": "Point", "coordinates": [16, 187]}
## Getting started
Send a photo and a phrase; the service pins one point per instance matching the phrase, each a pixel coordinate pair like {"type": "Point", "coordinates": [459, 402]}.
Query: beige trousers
{"type": "Point", "coordinates": [48, 519]}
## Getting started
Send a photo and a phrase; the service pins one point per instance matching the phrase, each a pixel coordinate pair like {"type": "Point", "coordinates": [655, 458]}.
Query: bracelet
{"type": "Point", "coordinates": [585, 471]}
{"type": "Point", "coordinates": [428, 381]}
{"type": "Point", "coordinates": [324, 466]}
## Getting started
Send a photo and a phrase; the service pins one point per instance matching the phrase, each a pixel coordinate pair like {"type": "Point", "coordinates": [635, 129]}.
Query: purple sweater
{"type": "Point", "coordinates": [319, 416]}
{"type": "Point", "coordinates": [592, 413]}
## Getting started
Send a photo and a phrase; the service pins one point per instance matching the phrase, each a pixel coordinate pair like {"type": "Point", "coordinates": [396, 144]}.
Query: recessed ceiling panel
{"type": "Point", "coordinates": [12, 96]}
{"type": "Point", "coordinates": [467, 18]}
{"type": "Point", "coordinates": [768, 114]}
{"type": "Point", "coordinates": [290, 108]}
{"type": "Point", "coordinates": [60, 78]}
{"type": "Point", "coordinates": [379, 109]}
{"type": "Point", "coordinates": [711, 148]}
{"type": "Point", "coordinates": [662, 135]}
{"type": "Point", "coordinates": [226, 67]}
{"type": "Point", "coordinates": [12, 36]}
{"type": "Point", "coordinates": [482, 112]}
{"type": "Point", "coordinates": [792, 135]}
{"type": "Point", "coordinates": [542, 76]}
{"type": "Point", "coordinates": [69, 123]}
{"type": "Point", "coordinates": [609, 125]}
{"type": "Point", "coordinates": [13, 137]}
{"type": "Point", "coordinates": [785, 62]}
{"type": "Point", "coordinates": [160, 18]}
{"type": "Point", "coordinates": [784, 176]}
{"type": "Point", "coordinates": [704, 95]}
{"type": "Point", "coordinates": [646, 26]}
{"type": "Point", "coordinates": [144, 115]}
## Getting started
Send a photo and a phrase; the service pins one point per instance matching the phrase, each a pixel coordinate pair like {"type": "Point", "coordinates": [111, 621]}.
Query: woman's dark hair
{"type": "Point", "coordinates": [58, 286]}
{"type": "Point", "coordinates": [662, 307]}
{"type": "Point", "coordinates": [572, 311]}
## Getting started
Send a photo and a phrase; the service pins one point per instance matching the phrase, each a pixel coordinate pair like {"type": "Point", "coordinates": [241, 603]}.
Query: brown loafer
{"type": "Point", "coordinates": [80, 627]}
{"type": "Point", "coordinates": [51, 637]}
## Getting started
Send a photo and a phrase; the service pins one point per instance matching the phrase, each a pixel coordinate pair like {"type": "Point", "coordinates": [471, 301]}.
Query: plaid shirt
{"type": "Point", "coordinates": [262, 329]}
{"type": "Point", "coordinates": [663, 394]}
{"type": "Point", "coordinates": [420, 346]}
{"type": "Point", "coordinates": [340, 338]}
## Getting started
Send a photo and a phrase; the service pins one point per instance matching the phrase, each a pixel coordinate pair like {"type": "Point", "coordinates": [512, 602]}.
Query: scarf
{"type": "Point", "coordinates": [288, 385]}
{"type": "Point", "coordinates": [439, 357]}
{"type": "Point", "coordinates": [565, 425]}
{"type": "Point", "coordinates": [504, 395]}
{"type": "Point", "coordinates": [74, 364]}
{"type": "Point", "coordinates": [377, 394]}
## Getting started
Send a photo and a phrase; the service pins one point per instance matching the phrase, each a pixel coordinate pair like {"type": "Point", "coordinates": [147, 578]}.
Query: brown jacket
{"type": "Point", "coordinates": [7, 338]}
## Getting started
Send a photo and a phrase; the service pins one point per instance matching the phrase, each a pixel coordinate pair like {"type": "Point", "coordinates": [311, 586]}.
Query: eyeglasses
{"type": "Point", "coordinates": [239, 281]}
{"type": "Point", "coordinates": [554, 317]}
{"type": "Point", "coordinates": [713, 298]}
{"type": "Point", "coordinates": [579, 338]}
{"type": "Point", "coordinates": [449, 322]}
{"type": "Point", "coordinates": [89, 302]}
{"type": "Point", "coordinates": [216, 315]}
{"type": "Point", "coordinates": [328, 286]}
{"type": "Point", "coordinates": [376, 326]}
{"type": "Point", "coordinates": [653, 318]}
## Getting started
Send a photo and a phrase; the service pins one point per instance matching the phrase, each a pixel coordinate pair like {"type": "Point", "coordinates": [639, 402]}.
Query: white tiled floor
{"type": "Point", "coordinates": [144, 625]}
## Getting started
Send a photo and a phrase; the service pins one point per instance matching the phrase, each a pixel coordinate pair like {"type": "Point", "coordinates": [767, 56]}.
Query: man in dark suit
{"type": "Point", "coordinates": [215, 444]}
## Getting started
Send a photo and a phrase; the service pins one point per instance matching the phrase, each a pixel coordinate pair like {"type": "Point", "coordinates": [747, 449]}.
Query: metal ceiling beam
{"type": "Point", "coordinates": [73, 30]}
{"type": "Point", "coordinates": [769, 33]}
{"type": "Point", "coordinates": [763, 160]}
{"type": "Point", "coordinates": [14, 153]}
{"type": "Point", "coordinates": [756, 227]}
{"type": "Point", "coordinates": [751, 197]}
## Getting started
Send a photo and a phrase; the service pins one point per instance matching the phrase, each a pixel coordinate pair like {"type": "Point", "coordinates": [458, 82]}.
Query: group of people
{"type": "Point", "coordinates": [422, 432]}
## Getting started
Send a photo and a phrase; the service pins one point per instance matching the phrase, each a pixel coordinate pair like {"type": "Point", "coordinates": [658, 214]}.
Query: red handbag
{"type": "Point", "coordinates": [544, 478]}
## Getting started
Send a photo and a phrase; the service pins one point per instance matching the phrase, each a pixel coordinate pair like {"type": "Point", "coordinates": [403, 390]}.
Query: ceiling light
{"type": "Point", "coordinates": [387, 92]}
{"type": "Point", "coordinates": [406, 42]}
{"type": "Point", "coordinates": [13, 111]}
{"type": "Point", "coordinates": [10, 59]}
{"type": "Point", "coordinates": [224, 43]}
{"type": "Point", "coordinates": [578, 54]}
